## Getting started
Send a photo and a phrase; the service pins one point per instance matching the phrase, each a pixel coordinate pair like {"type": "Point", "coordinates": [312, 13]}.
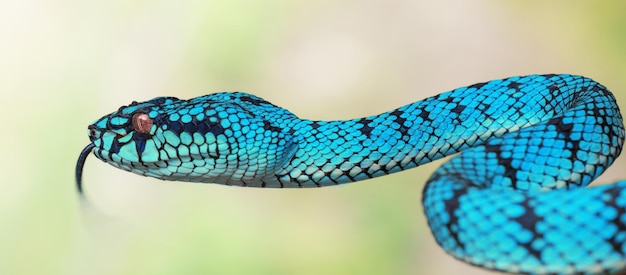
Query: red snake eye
{"type": "Point", "coordinates": [142, 123]}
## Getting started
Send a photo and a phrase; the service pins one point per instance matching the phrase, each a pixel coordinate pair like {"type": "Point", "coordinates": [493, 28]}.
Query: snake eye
{"type": "Point", "coordinates": [142, 123]}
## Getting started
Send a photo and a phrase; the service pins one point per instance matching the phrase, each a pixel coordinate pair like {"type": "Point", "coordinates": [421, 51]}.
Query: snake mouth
{"type": "Point", "coordinates": [80, 164]}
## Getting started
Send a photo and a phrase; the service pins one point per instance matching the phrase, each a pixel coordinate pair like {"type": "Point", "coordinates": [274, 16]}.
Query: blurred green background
{"type": "Point", "coordinates": [64, 63]}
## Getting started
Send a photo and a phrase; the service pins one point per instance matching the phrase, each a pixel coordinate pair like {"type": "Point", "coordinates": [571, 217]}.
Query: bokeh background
{"type": "Point", "coordinates": [64, 63]}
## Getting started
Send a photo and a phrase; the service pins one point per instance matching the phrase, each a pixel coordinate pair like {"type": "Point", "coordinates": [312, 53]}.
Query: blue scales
{"type": "Point", "coordinates": [519, 138]}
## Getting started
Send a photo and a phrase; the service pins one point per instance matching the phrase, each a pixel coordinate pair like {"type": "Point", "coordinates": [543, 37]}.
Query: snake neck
{"type": "Point", "coordinates": [334, 152]}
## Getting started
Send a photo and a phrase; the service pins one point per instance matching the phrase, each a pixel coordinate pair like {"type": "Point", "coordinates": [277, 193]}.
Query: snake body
{"type": "Point", "coordinates": [489, 206]}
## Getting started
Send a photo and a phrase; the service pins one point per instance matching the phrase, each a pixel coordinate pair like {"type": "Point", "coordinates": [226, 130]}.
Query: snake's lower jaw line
{"type": "Point", "coordinates": [80, 164]}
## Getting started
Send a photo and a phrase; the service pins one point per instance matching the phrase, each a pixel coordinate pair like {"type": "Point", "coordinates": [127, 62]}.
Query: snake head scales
{"type": "Point", "coordinates": [227, 138]}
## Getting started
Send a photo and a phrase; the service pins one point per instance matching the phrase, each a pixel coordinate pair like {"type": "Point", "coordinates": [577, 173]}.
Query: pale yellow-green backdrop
{"type": "Point", "coordinates": [64, 63]}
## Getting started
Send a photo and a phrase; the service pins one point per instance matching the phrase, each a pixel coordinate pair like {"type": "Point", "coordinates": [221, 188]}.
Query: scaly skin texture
{"type": "Point", "coordinates": [488, 206]}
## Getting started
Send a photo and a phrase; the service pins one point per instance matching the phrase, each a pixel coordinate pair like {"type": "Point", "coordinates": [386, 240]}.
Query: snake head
{"type": "Point", "coordinates": [121, 137]}
{"type": "Point", "coordinates": [229, 138]}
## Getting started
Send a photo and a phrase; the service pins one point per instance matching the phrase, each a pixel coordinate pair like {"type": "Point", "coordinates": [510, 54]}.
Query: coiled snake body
{"type": "Point", "coordinates": [488, 206]}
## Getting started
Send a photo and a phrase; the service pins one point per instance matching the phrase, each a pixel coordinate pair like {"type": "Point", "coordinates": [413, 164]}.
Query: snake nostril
{"type": "Point", "coordinates": [92, 131]}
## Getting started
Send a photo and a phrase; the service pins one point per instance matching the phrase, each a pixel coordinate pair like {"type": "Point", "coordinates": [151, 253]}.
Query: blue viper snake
{"type": "Point", "coordinates": [513, 200]}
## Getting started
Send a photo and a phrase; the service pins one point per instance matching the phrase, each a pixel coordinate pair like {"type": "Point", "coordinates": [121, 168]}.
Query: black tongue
{"type": "Point", "coordinates": [79, 166]}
